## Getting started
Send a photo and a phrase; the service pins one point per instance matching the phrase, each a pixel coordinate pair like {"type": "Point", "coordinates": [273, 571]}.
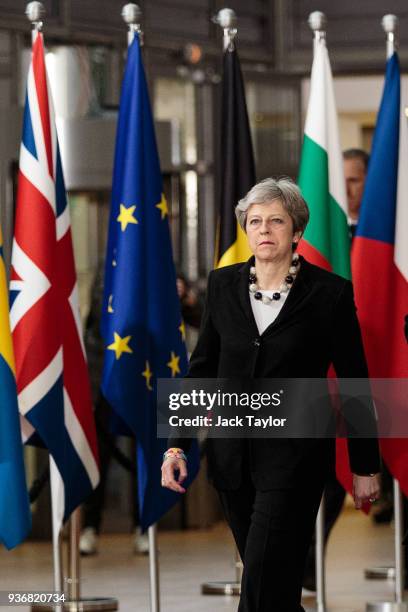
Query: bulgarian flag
{"type": "Point", "coordinates": [326, 241]}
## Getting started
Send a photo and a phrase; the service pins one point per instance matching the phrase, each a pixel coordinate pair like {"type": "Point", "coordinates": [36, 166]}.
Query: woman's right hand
{"type": "Point", "coordinates": [169, 468]}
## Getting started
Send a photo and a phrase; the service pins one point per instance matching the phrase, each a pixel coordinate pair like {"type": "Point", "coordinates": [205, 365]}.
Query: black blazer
{"type": "Point", "coordinates": [316, 326]}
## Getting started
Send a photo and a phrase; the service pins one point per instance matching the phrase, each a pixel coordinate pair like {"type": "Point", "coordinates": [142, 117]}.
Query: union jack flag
{"type": "Point", "coordinates": [51, 370]}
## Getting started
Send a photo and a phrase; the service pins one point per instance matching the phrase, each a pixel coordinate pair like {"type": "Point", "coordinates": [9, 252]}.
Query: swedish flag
{"type": "Point", "coordinates": [15, 516]}
{"type": "Point", "coordinates": [141, 322]}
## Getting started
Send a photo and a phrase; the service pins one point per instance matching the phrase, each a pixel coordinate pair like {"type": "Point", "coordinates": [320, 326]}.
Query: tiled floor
{"type": "Point", "coordinates": [189, 558]}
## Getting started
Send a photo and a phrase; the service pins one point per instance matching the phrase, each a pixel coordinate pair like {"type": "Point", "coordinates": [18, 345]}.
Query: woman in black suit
{"type": "Point", "coordinates": [276, 316]}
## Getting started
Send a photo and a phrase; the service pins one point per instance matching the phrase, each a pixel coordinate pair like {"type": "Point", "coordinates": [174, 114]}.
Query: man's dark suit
{"type": "Point", "coordinates": [316, 326]}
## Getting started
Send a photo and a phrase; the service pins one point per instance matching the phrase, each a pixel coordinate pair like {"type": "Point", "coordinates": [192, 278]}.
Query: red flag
{"type": "Point", "coordinates": [52, 378]}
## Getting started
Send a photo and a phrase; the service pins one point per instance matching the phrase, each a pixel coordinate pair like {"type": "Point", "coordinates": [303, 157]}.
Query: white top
{"type": "Point", "coordinates": [265, 314]}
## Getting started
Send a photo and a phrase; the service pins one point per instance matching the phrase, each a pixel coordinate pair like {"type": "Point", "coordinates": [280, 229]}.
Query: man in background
{"type": "Point", "coordinates": [355, 164]}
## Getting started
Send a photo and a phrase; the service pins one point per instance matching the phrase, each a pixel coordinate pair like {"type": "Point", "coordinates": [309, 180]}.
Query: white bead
{"type": "Point", "coordinates": [266, 299]}
{"type": "Point", "coordinates": [292, 270]}
{"type": "Point", "coordinates": [252, 270]}
{"type": "Point", "coordinates": [283, 288]}
{"type": "Point", "coordinates": [295, 256]}
{"type": "Point", "coordinates": [253, 288]}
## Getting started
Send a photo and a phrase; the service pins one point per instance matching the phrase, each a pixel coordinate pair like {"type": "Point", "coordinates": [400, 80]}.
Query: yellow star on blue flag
{"type": "Point", "coordinates": [182, 328]}
{"type": "Point", "coordinates": [173, 364]}
{"type": "Point", "coordinates": [143, 283]}
{"type": "Point", "coordinates": [126, 216]}
{"type": "Point", "coordinates": [120, 345]}
{"type": "Point", "coordinates": [162, 206]}
{"type": "Point", "coordinates": [147, 374]}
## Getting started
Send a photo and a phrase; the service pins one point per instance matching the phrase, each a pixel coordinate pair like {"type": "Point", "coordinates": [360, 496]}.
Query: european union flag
{"type": "Point", "coordinates": [141, 321]}
{"type": "Point", "coordinates": [15, 516]}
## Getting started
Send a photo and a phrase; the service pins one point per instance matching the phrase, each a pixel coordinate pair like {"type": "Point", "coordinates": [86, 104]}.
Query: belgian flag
{"type": "Point", "coordinates": [237, 163]}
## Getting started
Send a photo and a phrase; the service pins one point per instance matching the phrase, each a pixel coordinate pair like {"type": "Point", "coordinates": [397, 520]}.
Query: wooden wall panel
{"type": "Point", "coordinates": [188, 20]}
{"type": "Point", "coordinates": [12, 12]}
{"type": "Point", "coordinates": [274, 32]}
{"type": "Point", "coordinates": [355, 36]}
{"type": "Point", "coordinates": [103, 14]}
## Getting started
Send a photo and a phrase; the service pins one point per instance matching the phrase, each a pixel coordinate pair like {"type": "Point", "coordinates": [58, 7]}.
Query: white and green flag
{"type": "Point", "coordinates": [321, 178]}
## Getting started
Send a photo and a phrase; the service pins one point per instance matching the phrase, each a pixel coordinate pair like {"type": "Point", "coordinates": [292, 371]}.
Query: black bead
{"type": "Point", "coordinates": [289, 279]}
{"type": "Point", "coordinates": [252, 278]}
{"type": "Point", "coordinates": [276, 296]}
{"type": "Point", "coordinates": [258, 295]}
{"type": "Point", "coordinates": [295, 262]}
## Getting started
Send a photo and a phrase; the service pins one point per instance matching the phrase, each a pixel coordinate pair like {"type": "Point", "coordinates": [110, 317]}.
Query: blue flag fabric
{"type": "Point", "coordinates": [15, 516]}
{"type": "Point", "coordinates": [141, 321]}
{"type": "Point", "coordinates": [377, 213]}
{"type": "Point", "coordinates": [380, 258]}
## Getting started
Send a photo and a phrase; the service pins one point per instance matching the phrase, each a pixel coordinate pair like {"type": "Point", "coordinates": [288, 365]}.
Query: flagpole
{"type": "Point", "coordinates": [389, 24]}
{"type": "Point", "coordinates": [317, 23]}
{"type": "Point", "coordinates": [398, 535]}
{"type": "Point", "coordinates": [74, 601]}
{"type": "Point", "coordinates": [390, 27]}
{"type": "Point", "coordinates": [154, 570]}
{"type": "Point", "coordinates": [55, 485]}
{"type": "Point", "coordinates": [74, 588]}
{"type": "Point", "coordinates": [131, 15]}
{"type": "Point", "coordinates": [227, 19]}
{"type": "Point", "coordinates": [319, 561]}
{"type": "Point", "coordinates": [34, 12]}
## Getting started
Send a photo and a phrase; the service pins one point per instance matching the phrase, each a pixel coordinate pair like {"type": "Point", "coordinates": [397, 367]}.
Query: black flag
{"type": "Point", "coordinates": [237, 163]}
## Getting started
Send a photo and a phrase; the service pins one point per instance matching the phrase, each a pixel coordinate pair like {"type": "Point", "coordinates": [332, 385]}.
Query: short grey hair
{"type": "Point", "coordinates": [283, 189]}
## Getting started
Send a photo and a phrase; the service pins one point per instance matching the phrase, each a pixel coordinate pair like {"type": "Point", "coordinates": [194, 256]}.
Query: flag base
{"type": "Point", "coordinates": [380, 573]}
{"type": "Point", "coordinates": [221, 588]}
{"type": "Point", "coordinates": [386, 606]}
{"type": "Point", "coordinates": [226, 587]}
{"type": "Point", "coordinates": [94, 604]}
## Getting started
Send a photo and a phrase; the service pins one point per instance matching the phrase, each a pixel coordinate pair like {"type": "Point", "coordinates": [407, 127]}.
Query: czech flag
{"type": "Point", "coordinates": [380, 254]}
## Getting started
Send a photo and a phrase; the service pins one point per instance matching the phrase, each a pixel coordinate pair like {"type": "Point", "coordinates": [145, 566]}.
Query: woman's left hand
{"type": "Point", "coordinates": [365, 489]}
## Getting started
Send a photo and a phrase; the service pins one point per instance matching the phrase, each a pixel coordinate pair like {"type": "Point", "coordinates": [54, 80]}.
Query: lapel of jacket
{"type": "Point", "coordinates": [243, 294]}
{"type": "Point", "coordinates": [300, 289]}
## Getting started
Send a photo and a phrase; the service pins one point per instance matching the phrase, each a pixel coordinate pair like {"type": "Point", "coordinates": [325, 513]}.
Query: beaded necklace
{"type": "Point", "coordinates": [284, 287]}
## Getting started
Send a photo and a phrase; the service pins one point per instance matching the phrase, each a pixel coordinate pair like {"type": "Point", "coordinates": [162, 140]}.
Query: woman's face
{"type": "Point", "coordinates": [270, 231]}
